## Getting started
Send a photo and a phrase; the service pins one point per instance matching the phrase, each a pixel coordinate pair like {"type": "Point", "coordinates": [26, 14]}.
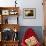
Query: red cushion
{"type": "Point", "coordinates": [29, 33]}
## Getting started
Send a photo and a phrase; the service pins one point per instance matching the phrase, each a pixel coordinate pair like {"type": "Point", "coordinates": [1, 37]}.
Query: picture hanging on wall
{"type": "Point", "coordinates": [29, 13]}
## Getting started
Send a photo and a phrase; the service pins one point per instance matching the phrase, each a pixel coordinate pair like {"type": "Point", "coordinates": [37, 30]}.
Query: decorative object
{"type": "Point", "coordinates": [13, 12]}
{"type": "Point", "coordinates": [15, 37]}
{"type": "Point", "coordinates": [15, 3]}
{"type": "Point", "coordinates": [7, 34]}
{"type": "Point", "coordinates": [5, 12]}
{"type": "Point", "coordinates": [5, 19]}
{"type": "Point", "coordinates": [29, 13]}
{"type": "Point", "coordinates": [0, 12]}
{"type": "Point", "coordinates": [15, 30]}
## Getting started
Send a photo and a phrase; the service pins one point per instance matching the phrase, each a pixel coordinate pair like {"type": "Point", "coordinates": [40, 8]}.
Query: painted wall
{"type": "Point", "coordinates": [39, 13]}
{"type": "Point", "coordinates": [28, 22]}
{"type": "Point", "coordinates": [7, 3]}
{"type": "Point", "coordinates": [27, 4]}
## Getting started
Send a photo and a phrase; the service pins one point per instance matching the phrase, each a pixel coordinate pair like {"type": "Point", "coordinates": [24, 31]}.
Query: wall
{"type": "Point", "coordinates": [35, 23]}
{"type": "Point", "coordinates": [27, 4]}
{"type": "Point", "coordinates": [39, 13]}
{"type": "Point", "coordinates": [7, 3]}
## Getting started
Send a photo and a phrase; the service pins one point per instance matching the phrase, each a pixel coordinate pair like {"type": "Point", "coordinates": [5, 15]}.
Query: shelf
{"type": "Point", "coordinates": [9, 10]}
{"type": "Point", "coordinates": [11, 41]}
{"type": "Point", "coordinates": [7, 16]}
{"type": "Point", "coordinates": [6, 12]}
{"type": "Point", "coordinates": [10, 26]}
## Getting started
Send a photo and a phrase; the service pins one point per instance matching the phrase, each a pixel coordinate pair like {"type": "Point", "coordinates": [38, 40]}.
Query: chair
{"type": "Point", "coordinates": [28, 36]}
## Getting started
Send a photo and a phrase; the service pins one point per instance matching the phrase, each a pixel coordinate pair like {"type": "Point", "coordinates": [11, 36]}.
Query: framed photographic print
{"type": "Point", "coordinates": [30, 13]}
{"type": "Point", "coordinates": [5, 12]}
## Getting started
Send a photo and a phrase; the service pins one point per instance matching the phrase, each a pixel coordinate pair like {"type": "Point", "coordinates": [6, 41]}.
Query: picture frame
{"type": "Point", "coordinates": [29, 13]}
{"type": "Point", "coordinates": [5, 12]}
